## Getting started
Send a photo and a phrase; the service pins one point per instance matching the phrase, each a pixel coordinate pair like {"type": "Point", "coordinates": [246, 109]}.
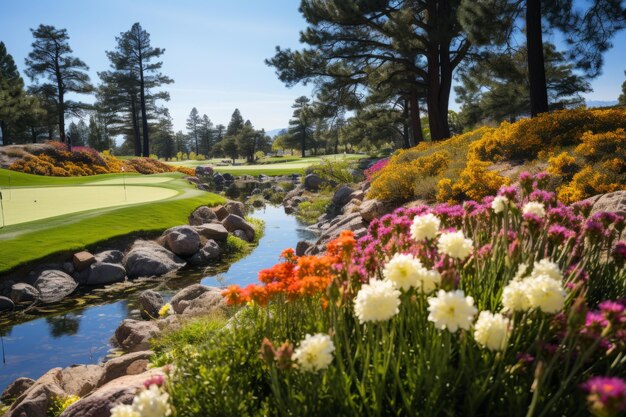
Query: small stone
{"type": "Point", "coordinates": [6, 304]}
{"type": "Point", "coordinates": [202, 215]}
{"type": "Point", "coordinates": [24, 293]}
{"type": "Point", "coordinates": [150, 303]}
{"type": "Point", "coordinates": [82, 260]}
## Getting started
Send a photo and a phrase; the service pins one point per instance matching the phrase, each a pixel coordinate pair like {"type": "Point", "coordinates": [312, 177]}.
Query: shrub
{"type": "Point", "coordinates": [333, 170]}
{"type": "Point", "coordinates": [309, 211]}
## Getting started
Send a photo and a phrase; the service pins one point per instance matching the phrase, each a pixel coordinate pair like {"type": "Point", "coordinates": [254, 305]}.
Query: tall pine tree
{"type": "Point", "coordinates": [193, 128]}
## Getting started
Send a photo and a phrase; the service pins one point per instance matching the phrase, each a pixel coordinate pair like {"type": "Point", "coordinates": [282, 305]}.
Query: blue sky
{"type": "Point", "coordinates": [214, 49]}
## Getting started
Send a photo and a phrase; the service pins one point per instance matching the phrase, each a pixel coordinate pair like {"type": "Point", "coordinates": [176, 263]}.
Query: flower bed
{"type": "Point", "coordinates": [512, 306]}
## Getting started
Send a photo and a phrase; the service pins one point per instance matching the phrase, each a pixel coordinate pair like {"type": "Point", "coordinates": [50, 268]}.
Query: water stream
{"type": "Point", "coordinates": [79, 331]}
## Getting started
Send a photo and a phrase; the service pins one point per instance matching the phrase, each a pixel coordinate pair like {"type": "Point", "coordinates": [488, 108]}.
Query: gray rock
{"type": "Point", "coordinates": [371, 209]}
{"type": "Point", "coordinates": [218, 178]}
{"type": "Point", "coordinates": [80, 379]}
{"type": "Point", "coordinates": [36, 400]}
{"type": "Point", "coordinates": [68, 267]}
{"type": "Point", "coordinates": [150, 302]}
{"type": "Point", "coordinates": [202, 215]}
{"type": "Point", "coordinates": [110, 256]}
{"type": "Point", "coordinates": [213, 231]}
{"type": "Point", "coordinates": [233, 222]}
{"type": "Point", "coordinates": [184, 241]}
{"type": "Point", "coordinates": [54, 285]}
{"type": "Point", "coordinates": [358, 195]}
{"type": "Point", "coordinates": [220, 212]}
{"type": "Point", "coordinates": [24, 293]}
{"type": "Point", "coordinates": [228, 177]}
{"type": "Point", "coordinates": [236, 207]}
{"type": "Point", "coordinates": [102, 273]}
{"type": "Point", "coordinates": [291, 194]}
{"type": "Point", "coordinates": [288, 209]}
{"type": "Point", "coordinates": [147, 258]}
{"type": "Point", "coordinates": [181, 300]}
{"type": "Point", "coordinates": [208, 303]}
{"type": "Point", "coordinates": [241, 235]}
{"type": "Point", "coordinates": [312, 182]}
{"type": "Point", "coordinates": [614, 202]}
{"type": "Point", "coordinates": [302, 247]}
{"type": "Point", "coordinates": [342, 196]}
{"type": "Point", "coordinates": [134, 335]}
{"type": "Point", "coordinates": [209, 252]}
{"type": "Point", "coordinates": [6, 304]}
{"type": "Point", "coordinates": [129, 364]}
{"type": "Point", "coordinates": [16, 389]}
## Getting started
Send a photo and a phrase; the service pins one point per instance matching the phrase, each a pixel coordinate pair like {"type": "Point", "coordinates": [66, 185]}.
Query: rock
{"type": "Point", "coordinates": [118, 391]}
{"type": "Point", "coordinates": [68, 267]}
{"type": "Point", "coordinates": [236, 207]}
{"type": "Point", "coordinates": [312, 182]}
{"type": "Point", "coordinates": [181, 300]}
{"type": "Point", "coordinates": [81, 379]}
{"type": "Point", "coordinates": [54, 285]}
{"type": "Point", "coordinates": [110, 256]}
{"type": "Point", "coordinates": [36, 400]}
{"type": "Point", "coordinates": [302, 247]}
{"type": "Point", "coordinates": [202, 215]}
{"type": "Point", "coordinates": [233, 222]}
{"type": "Point", "coordinates": [220, 212]}
{"type": "Point", "coordinates": [289, 210]}
{"type": "Point", "coordinates": [102, 273]}
{"type": "Point", "coordinates": [82, 260]}
{"type": "Point", "coordinates": [352, 222]}
{"type": "Point", "coordinates": [209, 252]}
{"type": "Point", "coordinates": [16, 389]}
{"type": "Point", "coordinates": [150, 302]}
{"type": "Point", "coordinates": [256, 191]}
{"type": "Point", "coordinates": [24, 293]}
{"type": "Point", "coordinates": [228, 177]}
{"type": "Point", "coordinates": [147, 258]}
{"type": "Point", "coordinates": [134, 335]}
{"type": "Point", "coordinates": [614, 202]}
{"type": "Point", "coordinates": [291, 194]}
{"type": "Point", "coordinates": [371, 209]}
{"type": "Point", "coordinates": [129, 364]}
{"type": "Point", "coordinates": [213, 231]}
{"type": "Point", "coordinates": [207, 303]}
{"type": "Point", "coordinates": [183, 240]}
{"type": "Point", "coordinates": [218, 179]}
{"type": "Point", "coordinates": [357, 195]}
{"type": "Point", "coordinates": [241, 235]}
{"type": "Point", "coordinates": [342, 196]}
{"type": "Point", "coordinates": [6, 304]}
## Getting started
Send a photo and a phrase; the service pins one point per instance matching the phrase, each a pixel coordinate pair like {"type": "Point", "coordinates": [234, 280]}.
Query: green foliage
{"type": "Point", "coordinates": [59, 404]}
{"type": "Point", "coordinates": [334, 170]}
{"type": "Point", "coordinates": [309, 211]}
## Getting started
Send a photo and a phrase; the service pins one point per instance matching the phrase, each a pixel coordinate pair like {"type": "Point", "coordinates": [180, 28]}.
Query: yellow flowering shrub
{"type": "Point", "coordinates": [600, 146]}
{"type": "Point", "coordinates": [563, 165]}
{"type": "Point", "coordinates": [476, 181]}
{"type": "Point", "coordinates": [589, 182]}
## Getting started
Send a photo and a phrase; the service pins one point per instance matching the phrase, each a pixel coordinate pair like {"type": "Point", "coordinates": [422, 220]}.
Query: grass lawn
{"type": "Point", "coordinates": [277, 166]}
{"type": "Point", "coordinates": [70, 229]}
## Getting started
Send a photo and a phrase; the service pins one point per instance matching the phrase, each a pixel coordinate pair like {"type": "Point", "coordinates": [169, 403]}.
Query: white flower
{"type": "Point", "coordinates": [455, 245]}
{"type": "Point", "coordinates": [451, 310]}
{"type": "Point", "coordinates": [402, 270]}
{"type": "Point", "coordinates": [425, 226]}
{"type": "Point", "coordinates": [545, 293]}
{"type": "Point", "coordinates": [499, 204]}
{"type": "Point", "coordinates": [152, 402]}
{"type": "Point", "coordinates": [492, 330]}
{"type": "Point", "coordinates": [315, 352]}
{"type": "Point", "coordinates": [428, 280]}
{"type": "Point", "coordinates": [377, 301]}
{"type": "Point", "coordinates": [521, 271]}
{"type": "Point", "coordinates": [514, 296]}
{"type": "Point", "coordinates": [546, 267]}
{"type": "Point", "coordinates": [533, 207]}
{"type": "Point", "coordinates": [123, 410]}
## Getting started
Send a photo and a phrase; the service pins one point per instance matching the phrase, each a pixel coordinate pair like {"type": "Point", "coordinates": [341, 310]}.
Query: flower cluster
{"type": "Point", "coordinates": [150, 402]}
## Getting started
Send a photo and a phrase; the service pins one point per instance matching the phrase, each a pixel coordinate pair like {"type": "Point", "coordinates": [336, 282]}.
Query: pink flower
{"type": "Point", "coordinates": [606, 394]}
{"type": "Point", "coordinates": [560, 234]}
{"type": "Point", "coordinates": [509, 192]}
{"type": "Point", "coordinates": [157, 380]}
{"type": "Point", "coordinates": [619, 253]}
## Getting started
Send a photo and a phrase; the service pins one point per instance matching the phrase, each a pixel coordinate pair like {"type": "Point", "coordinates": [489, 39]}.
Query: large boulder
{"type": "Point", "coordinates": [342, 196]}
{"type": "Point", "coordinates": [36, 400]}
{"type": "Point", "coordinates": [220, 212]}
{"type": "Point", "coordinates": [150, 302]}
{"type": "Point", "coordinates": [82, 260]}
{"type": "Point", "coordinates": [213, 231]}
{"type": "Point", "coordinates": [81, 379]}
{"type": "Point", "coordinates": [202, 215]}
{"type": "Point", "coordinates": [371, 209]}
{"type": "Point", "coordinates": [312, 182]}
{"type": "Point", "coordinates": [24, 293]}
{"type": "Point", "coordinates": [110, 256]}
{"type": "Point", "coordinates": [302, 247]}
{"type": "Point", "coordinates": [614, 202]}
{"type": "Point", "coordinates": [228, 177]}
{"type": "Point", "coordinates": [236, 207]}
{"type": "Point", "coordinates": [129, 364]}
{"type": "Point", "coordinates": [134, 335]}
{"type": "Point", "coordinates": [233, 222]}
{"type": "Point", "coordinates": [180, 301]}
{"type": "Point", "coordinates": [118, 391]}
{"type": "Point", "coordinates": [209, 252]}
{"type": "Point", "coordinates": [184, 241]}
{"type": "Point", "coordinates": [6, 304]}
{"type": "Point", "coordinates": [102, 273]}
{"type": "Point", "coordinates": [147, 258]}
{"type": "Point", "coordinates": [54, 285]}
{"type": "Point", "coordinates": [16, 389]}
{"type": "Point", "coordinates": [208, 303]}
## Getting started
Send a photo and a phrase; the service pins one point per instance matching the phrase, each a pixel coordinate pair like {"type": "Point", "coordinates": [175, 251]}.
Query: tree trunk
{"type": "Point", "coordinates": [33, 134]}
{"type": "Point", "coordinates": [136, 133]}
{"type": "Point", "coordinates": [405, 125]}
{"type": "Point", "coordinates": [416, 124]}
{"type": "Point", "coordinates": [536, 69]}
{"type": "Point", "coordinates": [144, 114]}
{"type": "Point", "coordinates": [5, 134]}
{"type": "Point", "coordinates": [303, 144]}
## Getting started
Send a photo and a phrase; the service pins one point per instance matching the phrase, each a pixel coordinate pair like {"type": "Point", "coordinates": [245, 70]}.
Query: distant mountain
{"type": "Point", "coordinates": [600, 103]}
{"type": "Point", "coordinates": [275, 132]}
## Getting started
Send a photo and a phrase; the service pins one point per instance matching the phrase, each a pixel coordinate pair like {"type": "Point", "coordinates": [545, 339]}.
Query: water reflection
{"type": "Point", "coordinates": [80, 330]}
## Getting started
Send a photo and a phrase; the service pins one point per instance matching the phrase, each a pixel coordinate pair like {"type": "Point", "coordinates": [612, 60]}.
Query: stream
{"type": "Point", "coordinates": [78, 330]}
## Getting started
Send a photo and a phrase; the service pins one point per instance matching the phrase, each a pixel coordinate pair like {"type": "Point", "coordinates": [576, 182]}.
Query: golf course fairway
{"type": "Point", "coordinates": [51, 215]}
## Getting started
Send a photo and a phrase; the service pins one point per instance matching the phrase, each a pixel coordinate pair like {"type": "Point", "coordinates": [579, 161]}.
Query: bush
{"type": "Point", "coordinates": [309, 211]}
{"type": "Point", "coordinates": [333, 170]}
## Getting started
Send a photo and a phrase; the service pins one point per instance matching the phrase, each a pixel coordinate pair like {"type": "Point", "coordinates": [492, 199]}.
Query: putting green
{"type": "Point", "coordinates": [134, 180]}
{"type": "Point", "coordinates": [34, 203]}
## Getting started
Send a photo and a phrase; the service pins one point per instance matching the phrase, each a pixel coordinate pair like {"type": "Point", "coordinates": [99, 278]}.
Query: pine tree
{"type": "Point", "coordinates": [301, 123]}
{"type": "Point", "coordinates": [51, 60]}
{"type": "Point", "coordinates": [235, 125]}
{"type": "Point", "coordinates": [206, 136]}
{"type": "Point", "coordinates": [622, 98]}
{"type": "Point", "coordinates": [193, 128]}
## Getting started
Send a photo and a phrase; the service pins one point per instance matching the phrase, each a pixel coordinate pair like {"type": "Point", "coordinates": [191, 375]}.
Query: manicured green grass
{"type": "Point", "coordinates": [25, 242]}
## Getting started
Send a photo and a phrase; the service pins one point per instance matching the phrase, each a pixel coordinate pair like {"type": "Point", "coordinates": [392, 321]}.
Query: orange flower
{"type": "Point", "coordinates": [234, 295]}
